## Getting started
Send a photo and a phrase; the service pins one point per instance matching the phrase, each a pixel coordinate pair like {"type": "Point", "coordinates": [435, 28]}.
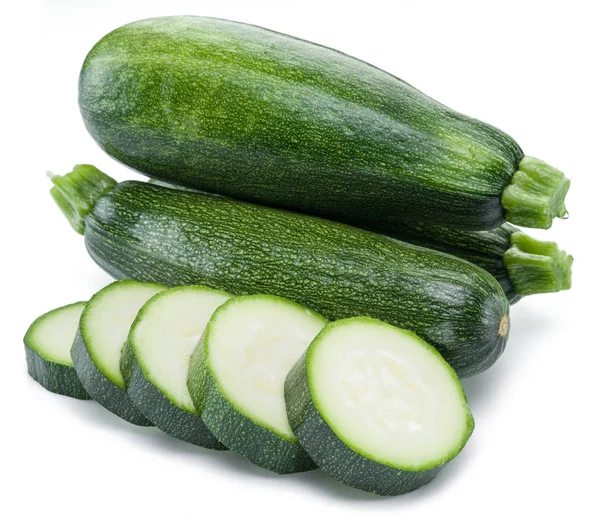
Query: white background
{"type": "Point", "coordinates": [530, 68]}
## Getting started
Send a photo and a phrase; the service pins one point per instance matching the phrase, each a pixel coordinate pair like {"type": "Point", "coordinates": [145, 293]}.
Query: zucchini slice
{"type": "Point", "coordinates": [155, 360]}
{"type": "Point", "coordinates": [96, 351]}
{"type": "Point", "coordinates": [237, 373]}
{"type": "Point", "coordinates": [47, 350]}
{"type": "Point", "coordinates": [377, 407]}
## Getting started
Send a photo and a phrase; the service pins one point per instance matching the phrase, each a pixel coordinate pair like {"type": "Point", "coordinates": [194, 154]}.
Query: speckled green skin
{"type": "Point", "coordinates": [101, 389]}
{"type": "Point", "coordinates": [243, 111]}
{"type": "Point", "coordinates": [484, 248]}
{"type": "Point", "coordinates": [173, 420]}
{"type": "Point", "coordinates": [56, 377]}
{"type": "Point", "coordinates": [336, 458]}
{"type": "Point", "coordinates": [238, 432]}
{"type": "Point", "coordinates": [176, 237]}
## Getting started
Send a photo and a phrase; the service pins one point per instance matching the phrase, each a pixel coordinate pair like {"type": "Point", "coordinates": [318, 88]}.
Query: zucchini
{"type": "Point", "coordinates": [521, 264]}
{"type": "Point", "coordinates": [376, 407]}
{"type": "Point", "coordinates": [102, 332]}
{"type": "Point", "coordinates": [155, 360]}
{"type": "Point", "coordinates": [237, 373]}
{"type": "Point", "coordinates": [47, 350]}
{"type": "Point", "coordinates": [239, 110]}
{"type": "Point", "coordinates": [147, 232]}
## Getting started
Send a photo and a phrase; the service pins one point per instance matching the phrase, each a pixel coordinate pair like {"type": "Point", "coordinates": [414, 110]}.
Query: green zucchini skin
{"type": "Point", "coordinates": [101, 389]}
{"type": "Point", "coordinates": [335, 457]}
{"type": "Point", "coordinates": [239, 110]}
{"type": "Point", "coordinates": [238, 432]}
{"type": "Point", "coordinates": [55, 377]}
{"type": "Point", "coordinates": [146, 232]}
{"type": "Point", "coordinates": [485, 248]}
{"type": "Point", "coordinates": [169, 418]}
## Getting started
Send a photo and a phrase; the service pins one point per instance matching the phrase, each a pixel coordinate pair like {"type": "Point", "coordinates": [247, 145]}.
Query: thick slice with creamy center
{"type": "Point", "coordinates": [377, 407]}
{"type": "Point", "coordinates": [47, 349]}
{"type": "Point", "coordinates": [155, 360]}
{"type": "Point", "coordinates": [237, 374]}
{"type": "Point", "coordinates": [102, 333]}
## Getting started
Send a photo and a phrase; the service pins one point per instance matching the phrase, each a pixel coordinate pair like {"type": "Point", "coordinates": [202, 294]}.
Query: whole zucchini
{"type": "Point", "coordinates": [522, 264]}
{"type": "Point", "coordinates": [239, 110]}
{"type": "Point", "coordinates": [176, 237]}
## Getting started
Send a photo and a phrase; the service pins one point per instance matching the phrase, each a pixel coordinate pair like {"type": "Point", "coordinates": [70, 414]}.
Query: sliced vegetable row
{"type": "Point", "coordinates": [374, 406]}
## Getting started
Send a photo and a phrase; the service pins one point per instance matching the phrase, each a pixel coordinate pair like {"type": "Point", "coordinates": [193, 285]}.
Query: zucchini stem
{"type": "Point", "coordinates": [535, 195]}
{"type": "Point", "coordinates": [76, 192]}
{"type": "Point", "coordinates": [535, 267]}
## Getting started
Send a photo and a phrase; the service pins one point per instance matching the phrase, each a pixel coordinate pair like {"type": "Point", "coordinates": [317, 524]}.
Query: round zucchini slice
{"type": "Point", "coordinates": [48, 344]}
{"type": "Point", "coordinates": [102, 333]}
{"type": "Point", "coordinates": [377, 407]}
{"type": "Point", "coordinates": [156, 358]}
{"type": "Point", "coordinates": [237, 374]}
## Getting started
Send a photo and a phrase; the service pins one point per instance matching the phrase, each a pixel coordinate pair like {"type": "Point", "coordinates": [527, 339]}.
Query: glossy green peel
{"type": "Point", "coordinates": [238, 110]}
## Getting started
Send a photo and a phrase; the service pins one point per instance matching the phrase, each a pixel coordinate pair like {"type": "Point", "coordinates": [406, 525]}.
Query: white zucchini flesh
{"type": "Point", "coordinates": [165, 334]}
{"type": "Point", "coordinates": [48, 344]}
{"type": "Point", "coordinates": [52, 334]}
{"type": "Point", "coordinates": [252, 344]}
{"type": "Point", "coordinates": [106, 321]}
{"type": "Point", "coordinates": [386, 394]}
{"type": "Point", "coordinates": [376, 407]}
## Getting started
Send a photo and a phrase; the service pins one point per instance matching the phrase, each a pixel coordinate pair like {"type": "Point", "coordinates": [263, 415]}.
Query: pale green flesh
{"type": "Point", "coordinates": [165, 334]}
{"type": "Point", "coordinates": [252, 344]}
{"type": "Point", "coordinates": [388, 395]}
{"type": "Point", "coordinates": [106, 321]}
{"type": "Point", "coordinates": [51, 335]}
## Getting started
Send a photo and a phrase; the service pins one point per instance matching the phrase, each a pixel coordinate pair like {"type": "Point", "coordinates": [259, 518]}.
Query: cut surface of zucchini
{"type": "Point", "coordinates": [249, 346]}
{"type": "Point", "coordinates": [155, 361]}
{"type": "Point", "coordinates": [48, 344]}
{"type": "Point", "coordinates": [102, 333]}
{"type": "Point", "coordinates": [376, 406]}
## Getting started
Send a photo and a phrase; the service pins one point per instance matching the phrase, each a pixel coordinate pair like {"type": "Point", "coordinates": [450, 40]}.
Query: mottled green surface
{"type": "Point", "coordinates": [239, 110]}
{"type": "Point", "coordinates": [100, 388]}
{"type": "Point", "coordinates": [484, 248]}
{"type": "Point", "coordinates": [173, 420]}
{"type": "Point", "coordinates": [236, 430]}
{"type": "Point", "coordinates": [56, 377]}
{"type": "Point", "coordinates": [337, 458]}
{"type": "Point", "coordinates": [147, 232]}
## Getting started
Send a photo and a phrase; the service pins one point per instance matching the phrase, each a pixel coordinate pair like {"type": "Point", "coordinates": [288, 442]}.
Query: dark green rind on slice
{"type": "Point", "coordinates": [336, 458]}
{"type": "Point", "coordinates": [332, 455]}
{"type": "Point", "coordinates": [238, 432]}
{"type": "Point", "coordinates": [55, 377]}
{"type": "Point", "coordinates": [169, 418]}
{"type": "Point", "coordinates": [101, 389]}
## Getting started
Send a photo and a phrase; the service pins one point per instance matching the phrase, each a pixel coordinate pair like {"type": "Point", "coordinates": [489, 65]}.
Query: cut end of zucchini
{"type": "Point", "coordinates": [76, 192]}
{"type": "Point", "coordinates": [536, 267]}
{"type": "Point", "coordinates": [535, 195]}
{"type": "Point", "coordinates": [47, 349]}
{"type": "Point", "coordinates": [106, 321]}
{"type": "Point", "coordinates": [166, 332]}
{"type": "Point", "coordinates": [388, 394]}
{"type": "Point", "coordinates": [376, 407]}
{"type": "Point", "coordinates": [251, 344]}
